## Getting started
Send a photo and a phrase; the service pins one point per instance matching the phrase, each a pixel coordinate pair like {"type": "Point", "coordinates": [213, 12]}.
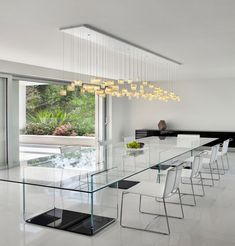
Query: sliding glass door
{"type": "Point", "coordinates": [51, 121]}
{"type": "Point", "coordinates": [30, 110]}
{"type": "Point", "coordinates": [3, 131]}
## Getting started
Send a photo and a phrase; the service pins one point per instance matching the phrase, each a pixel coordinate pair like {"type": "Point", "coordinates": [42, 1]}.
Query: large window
{"type": "Point", "coordinates": [45, 112]}
{"type": "Point", "coordinates": [49, 113]}
{"type": "Point", "coordinates": [37, 121]}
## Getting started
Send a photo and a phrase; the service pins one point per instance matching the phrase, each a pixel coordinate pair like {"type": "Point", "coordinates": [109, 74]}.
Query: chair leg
{"type": "Point", "coordinates": [222, 161]}
{"type": "Point", "coordinates": [219, 171]}
{"type": "Point", "coordinates": [167, 220]}
{"type": "Point", "coordinates": [123, 193]}
{"type": "Point", "coordinates": [199, 183]}
{"type": "Point", "coordinates": [214, 173]}
{"type": "Point", "coordinates": [227, 161]}
{"type": "Point", "coordinates": [194, 199]}
{"type": "Point", "coordinates": [161, 201]}
{"type": "Point", "coordinates": [142, 229]}
{"type": "Point", "coordinates": [203, 190]}
{"type": "Point", "coordinates": [217, 166]}
{"type": "Point", "coordinates": [140, 203]}
{"type": "Point", "coordinates": [212, 178]}
{"type": "Point", "coordinates": [181, 204]}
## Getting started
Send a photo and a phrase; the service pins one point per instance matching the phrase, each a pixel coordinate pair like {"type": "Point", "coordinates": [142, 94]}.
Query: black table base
{"type": "Point", "coordinates": [124, 184]}
{"type": "Point", "coordinates": [71, 221]}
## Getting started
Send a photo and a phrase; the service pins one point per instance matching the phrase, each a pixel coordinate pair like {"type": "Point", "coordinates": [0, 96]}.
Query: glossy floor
{"type": "Point", "coordinates": [211, 222]}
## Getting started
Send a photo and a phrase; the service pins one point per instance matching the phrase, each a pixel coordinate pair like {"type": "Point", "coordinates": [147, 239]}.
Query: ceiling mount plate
{"type": "Point", "coordinates": [102, 37]}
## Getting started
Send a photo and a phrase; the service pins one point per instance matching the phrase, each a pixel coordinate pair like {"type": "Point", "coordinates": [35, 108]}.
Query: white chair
{"type": "Point", "coordinates": [211, 163]}
{"type": "Point", "coordinates": [223, 153]}
{"type": "Point", "coordinates": [158, 191]}
{"type": "Point", "coordinates": [207, 163]}
{"type": "Point", "coordinates": [194, 172]}
{"type": "Point", "coordinates": [191, 174]}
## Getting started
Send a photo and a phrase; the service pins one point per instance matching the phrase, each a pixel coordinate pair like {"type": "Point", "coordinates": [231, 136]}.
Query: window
{"type": "Point", "coordinates": [48, 120]}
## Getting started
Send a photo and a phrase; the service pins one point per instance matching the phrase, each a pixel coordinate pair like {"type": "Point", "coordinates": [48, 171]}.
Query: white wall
{"type": "Point", "coordinates": [205, 105]}
{"type": "Point", "coordinates": [119, 118]}
{"type": "Point", "coordinates": [26, 70]}
{"type": "Point", "coordinates": [2, 123]}
{"type": "Point", "coordinates": [22, 106]}
{"type": "Point", "coordinates": [13, 123]}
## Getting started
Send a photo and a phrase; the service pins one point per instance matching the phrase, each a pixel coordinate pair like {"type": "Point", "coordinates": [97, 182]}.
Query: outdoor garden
{"type": "Point", "coordinates": [49, 113]}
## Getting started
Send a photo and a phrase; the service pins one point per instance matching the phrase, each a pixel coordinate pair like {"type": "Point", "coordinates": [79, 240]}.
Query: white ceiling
{"type": "Point", "coordinates": [198, 33]}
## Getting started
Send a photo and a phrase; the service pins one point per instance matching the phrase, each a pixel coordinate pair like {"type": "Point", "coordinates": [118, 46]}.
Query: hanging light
{"type": "Point", "coordinates": [77, 82]}
{"type": "Point", "coordinates": [120, 81]}
{"type": "Point", "coordinates": [70, 87]}
{"type": "Point", "coordinates": [115, 68]}
{"type": "Point", "coordinates": [63, 92]}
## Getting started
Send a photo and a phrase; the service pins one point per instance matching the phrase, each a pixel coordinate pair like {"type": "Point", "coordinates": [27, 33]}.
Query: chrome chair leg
{"type": "Point", "coordinates": [194, 199]}
{"type": "Point", "coordinates": [189, 194]}
{"type": "Point", "coordinates": [220, 169]}
{"type": "Point", "coordinates": [121, 211]}
{"type": "Point", "coordinates": [203, 190]}
{"type": "Point", "coordinates": [181, 204]}
{"type": "Point", "coordinates": [208, 185]}
{"type": "Point", "coordinates": [161, 201]}
{"type": "Point", "coordinates": [222, 161]}
{"type": "Point", "coordinates": [217, 169]}
{"type": "Point", "coordinates": [140, 200]}
{"type": "Point", "coordinates": [227, 161]}
{"type": "Point", "coordinates": [212, 178]}
{"type": "Point", "coordinates": [167, 220]}
{"type": "Point", "coordinates": [201, 183]}
{"type": "Point", "coordinates": [142, 229]}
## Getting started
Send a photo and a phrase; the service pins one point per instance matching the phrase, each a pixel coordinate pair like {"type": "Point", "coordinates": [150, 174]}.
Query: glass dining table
{"type": "Point", "coordinates": [77, 191]}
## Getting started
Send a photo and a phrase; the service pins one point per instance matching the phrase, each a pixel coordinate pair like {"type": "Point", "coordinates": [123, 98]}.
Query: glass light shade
{"type": "Point", "coordinates": [63, 92]}
{"type": "Point", "coordinates": [70, 88]}
{"type": "Point", "coordinates": [77, 82]}
{"type": "Point", "coordinates": [120, 81]}
{"type": "Point", "coordinates": [145, 83]}
{"type": "Point", "coordinates": [95, 81]}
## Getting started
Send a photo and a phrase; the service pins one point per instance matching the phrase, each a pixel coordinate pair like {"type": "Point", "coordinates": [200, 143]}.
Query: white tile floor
{"type": "Point", "coordinates": [210, 223]}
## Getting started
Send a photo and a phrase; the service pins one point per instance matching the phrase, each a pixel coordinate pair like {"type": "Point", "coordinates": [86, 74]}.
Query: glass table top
{"type": "Point", "coordinates": [93, 168]}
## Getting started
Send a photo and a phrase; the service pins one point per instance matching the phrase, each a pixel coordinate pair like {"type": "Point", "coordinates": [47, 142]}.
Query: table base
{"type": "Point", "coordinates": [124, 184]}
{"type": "Point", "coordinates": [71, 221]}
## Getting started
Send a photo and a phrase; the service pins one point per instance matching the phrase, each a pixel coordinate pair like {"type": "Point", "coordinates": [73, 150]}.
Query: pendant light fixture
{"type": "Point", "coordinates": [111, 66]}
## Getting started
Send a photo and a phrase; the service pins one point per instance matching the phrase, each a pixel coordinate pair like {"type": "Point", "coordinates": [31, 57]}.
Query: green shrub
{"type": "Point", "coordinates": [48, 112]}
{"type": "Point", "coordinates": [52, 118]}
{"type": "Point", "coordinates": [38, 129]}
